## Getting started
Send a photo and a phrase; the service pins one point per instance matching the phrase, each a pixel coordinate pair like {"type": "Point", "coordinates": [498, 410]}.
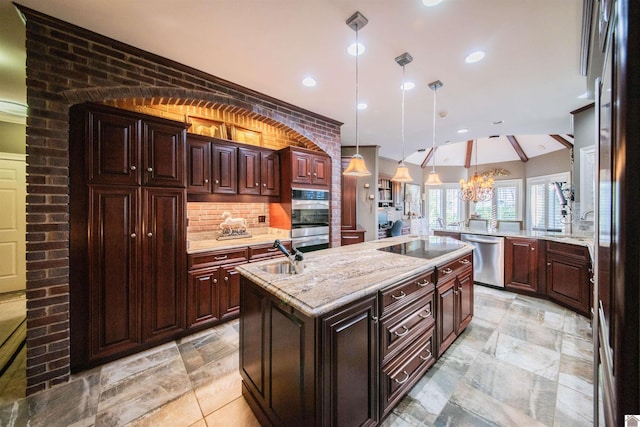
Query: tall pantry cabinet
{"type": "Point", "coordinates": [128, 232]}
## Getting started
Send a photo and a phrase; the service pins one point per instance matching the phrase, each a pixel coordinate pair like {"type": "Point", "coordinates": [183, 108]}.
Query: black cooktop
{"type": "Point", "coordinates": [432, 247]}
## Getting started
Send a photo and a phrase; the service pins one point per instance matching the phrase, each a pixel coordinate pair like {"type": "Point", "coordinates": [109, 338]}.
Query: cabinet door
{"type": "Point", "coordinates": [320, 170]}
{"type": "Point", "coordinates": [225, 176]}
{"type": "Point", "coordinates": [113, 143]}
{"type": "Point", "coordinates": [350, 372]}
{"type": "Point", "coordinates": [164, 155]}
{"type": "Point", "coordinates": [464, 282]}
{"type": "Point", "coordinates": [202, 297]}
{"type": "Point", "coordinates": [198, 166]}
{"type": "Point", "coordinates": [249, 171]}
{"type": "Point", "coordinates": [521, 264]}
{"type": "Point", "coordinates": [568, 281]}
{"type": "Point", "coordinates": [164, 261]}
{"type": "Point", "coordinates": [447, 314]}
{"type": "Point", "coordinates": [113, 271]}
{"type": "Point", "coordinates": [349, 199]}
{"type": "Point", "coordinates": [301, 167]}
{"type": "Point", "coordinates": [270, 173]}
{"type": "Point", "coordinates": [229, 291]}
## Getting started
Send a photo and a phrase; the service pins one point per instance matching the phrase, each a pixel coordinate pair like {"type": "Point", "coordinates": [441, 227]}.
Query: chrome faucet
{"type": "Point", "coordinates": [295, 258]}
{"type": "Point", "coordinates": [583, 217]}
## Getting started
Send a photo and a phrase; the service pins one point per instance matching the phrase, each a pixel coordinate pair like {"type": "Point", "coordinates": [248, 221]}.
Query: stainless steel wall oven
{"type": "Point", "coordinates": [309, 219]}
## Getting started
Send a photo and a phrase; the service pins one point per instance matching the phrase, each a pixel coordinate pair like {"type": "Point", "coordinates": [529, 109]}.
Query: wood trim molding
{"type": "Point", "coordinates": [516, 146]}
{"type": "Point", "coordinates": [467, 158]}
{"type": "Point", "coordinates": [562, 141]}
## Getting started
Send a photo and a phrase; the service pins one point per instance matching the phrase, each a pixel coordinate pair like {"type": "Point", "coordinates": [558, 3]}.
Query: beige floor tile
{"type": "Point", "coordinates": [182, 412]}
{"type": "Point", "coordinates": [238, 411]}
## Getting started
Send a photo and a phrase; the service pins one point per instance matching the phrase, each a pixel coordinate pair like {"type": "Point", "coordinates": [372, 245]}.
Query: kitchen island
{"type": "Point", "coordinates": [342, 342]}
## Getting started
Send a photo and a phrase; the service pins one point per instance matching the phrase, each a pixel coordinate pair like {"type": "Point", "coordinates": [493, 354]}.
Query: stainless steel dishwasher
{"type": "Point", "coordinates": [488, 258]}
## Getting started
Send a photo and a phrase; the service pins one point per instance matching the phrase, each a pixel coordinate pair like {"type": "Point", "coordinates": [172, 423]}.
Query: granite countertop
{"type": "Point", "coordinates": [336, 276]}
{"type": "Point", "coordinates": [576, 239]}
{"type": "Point", "coordinates": [207, 241]}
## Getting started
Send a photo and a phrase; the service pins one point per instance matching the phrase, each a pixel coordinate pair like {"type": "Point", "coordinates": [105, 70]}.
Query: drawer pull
{"type": "Point", "coordinates": [464, 261]}
{"type": "Point", "coordinates": [427, 357]}
{"type": "Point", "coordinates": [424, 283]}
{"type": "Point", "coordinates": [402, 295]}
{"type": "Point", "coordinates": [406, 377]}
{"type": "Point", "coordinates": [400, 334]}
{"type": "Point", "coordinates": [218, 258]}
{"type": "Point", "coordinates": [272, 249]}
{"type": "Point", "coordinates": [426, 315]}
{"type": "Point", "coordinates": [447, 270]}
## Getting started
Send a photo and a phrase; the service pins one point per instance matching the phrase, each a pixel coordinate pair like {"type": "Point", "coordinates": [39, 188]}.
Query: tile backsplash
{"type": "Point", "coordinates": [207, 217]}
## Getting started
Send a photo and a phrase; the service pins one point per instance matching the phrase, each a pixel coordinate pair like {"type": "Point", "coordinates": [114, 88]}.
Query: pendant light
{"type": "Point", "coordinates": [402, 173]}
{"type": "Point", "coordinates": [357, 166]}
{"type": "Point", "coordinates": [434, 179]}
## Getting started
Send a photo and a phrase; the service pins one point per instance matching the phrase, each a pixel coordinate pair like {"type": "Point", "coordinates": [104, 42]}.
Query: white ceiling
{"type": "Point", "coordinates": [529, 78]}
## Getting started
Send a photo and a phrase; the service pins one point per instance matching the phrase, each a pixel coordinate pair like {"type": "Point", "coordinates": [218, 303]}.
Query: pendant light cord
{"type": "Point", "coordinates": [357, 92]}
{"type": "Point", "coordinates": [403, 90]}
{"type": "Point", "coordinates": [433, 144]}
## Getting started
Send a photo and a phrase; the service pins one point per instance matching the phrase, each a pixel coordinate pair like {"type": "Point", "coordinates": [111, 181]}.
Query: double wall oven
{"type": "Point", "coordinates": [309, 219]}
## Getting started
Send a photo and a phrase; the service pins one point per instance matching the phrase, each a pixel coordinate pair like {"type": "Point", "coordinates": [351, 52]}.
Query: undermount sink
{"type": "Point", "coordinates": [282, 267]}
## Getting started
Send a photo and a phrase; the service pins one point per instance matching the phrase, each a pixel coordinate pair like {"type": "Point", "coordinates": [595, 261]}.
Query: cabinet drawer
{"type": "Point", "coordinates": [568, 249]}
{"type": "Point", "coordinates": [208, 259]}
{"type": "Point", "coordinates": [397, 295]}
{"type": "Point", "coordinates": [405, 325]}
{"type": "Point", "coordinates": [266, 251]}
{"type": "Point", "coordinates": [404, 371]}
{"type": "Point", "coordinates": [453, 268]}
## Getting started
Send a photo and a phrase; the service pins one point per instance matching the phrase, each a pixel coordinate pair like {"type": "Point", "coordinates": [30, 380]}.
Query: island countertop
{"type": "Point", "coordinates": [334, 277]}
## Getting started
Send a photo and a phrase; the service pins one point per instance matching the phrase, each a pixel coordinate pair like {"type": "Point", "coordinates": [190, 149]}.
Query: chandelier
{"type": "Point", "coordinates": [477, 188]}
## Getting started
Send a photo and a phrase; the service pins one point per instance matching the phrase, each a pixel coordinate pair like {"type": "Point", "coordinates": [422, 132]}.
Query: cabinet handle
{"type": "Point", "coordinates": [402, 295]}
{"type": "Point", "coordinates": [428, 355]}
{"type": "Point", "coordinates": [315, 174]}
{"type": "Point", "coordinates": [149, 234]}
{"type": "Point", "coordinates": [226, 278]}
{"type": "Point", "coordinates": [272, 249]}
{"type": "Point", "coordinates": [533, 249]}
{"type": "Point", "coordinates": [455, 291]}
{"type": "Point", "coordinates": [133, 235]}
{"type": "Point", "coordinates": [149, 169]}
{"type": "Point", "coordinates": [424, 283]}
{"type": "Point", "coordinates": [350, 237]}
{"type": "Point", "coordinates": [257, 184]}
{"type": "Point", "coordinates": [215, 281]}
{"type": "Point", "coordinates": [264, 185]}
{"type": "Point", "coordinates": [447, 270]}
{"type": "Point", "coordinates": [132, 167]}
{"type": "Point", "coordinates": [374, 319]}
{"type": "Point", "coordinates": [405, 378]}
{"type": "Point", "coordinates": [549, 264]}
{"type": "Point", "coordinates": [464, 261]}
{"type": "Point", "coordinates": [425, 316]}
{"type": "Point", "coordinates": [592, 280]}
{"type": "Point", "coordinates": [308, 173]}
{"type": "Point", "coordinates": [217, 181]}
{"type": "Point", "coordinates": [218, 258]}
{"type": "Point", "coordinates": [206, 181]}
{"type": "Point", "coordinates": [400, 334]}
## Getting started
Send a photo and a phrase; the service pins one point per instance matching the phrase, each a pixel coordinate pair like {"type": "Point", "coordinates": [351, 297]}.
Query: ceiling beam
{"type": "Point", "coordinates": [467, 158]}
{"type": "Point", "coordinates": [518, 149]}
{"type": "Point", "coordinates": [562, 141]}
{"type": "Point", "coordinates": [425, 162]}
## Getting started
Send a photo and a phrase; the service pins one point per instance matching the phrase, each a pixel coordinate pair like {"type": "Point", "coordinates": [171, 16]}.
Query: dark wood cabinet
{"type": "Point", "coordinates": [349, 209]}
{"type": "Point", "coordinates": [225, 168]}
{"type": "Point", "coordinates": [202, 297]}
{"type": "Point", "coordinates": [568, 274]}
{"type": "Point", "coordinates": [351, 237]}
{"type": "Point", "coordinates": [198, 165]}
{"type": "Point", "coordinates": [521, 264]}
{"type": "Point", "coordinates": [454, 295]}
{"type": "Point", "coordinates": [259, 172]}
{"type": "Point", "coordinates": [128, 233]}
{"type": "Point", "coordinates": [452, 234]}
{"type": "Point", "coordinates": [306, 166]}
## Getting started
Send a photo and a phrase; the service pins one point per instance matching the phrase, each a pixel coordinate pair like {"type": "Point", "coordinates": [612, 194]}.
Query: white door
{"type": "Point", "coordinates": [12, 222]}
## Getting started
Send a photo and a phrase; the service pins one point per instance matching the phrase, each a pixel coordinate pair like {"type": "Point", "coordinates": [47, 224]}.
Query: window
{"type": "Point", "coordinates": [506, 203]}
{"type": "Point", "coordinates": [546, 206]}
{"type": "Point", "coordinates": [444, 204]}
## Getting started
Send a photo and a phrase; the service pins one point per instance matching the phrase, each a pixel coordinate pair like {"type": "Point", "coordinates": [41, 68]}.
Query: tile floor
{"type": "Point", "coordinates": [521, 362]}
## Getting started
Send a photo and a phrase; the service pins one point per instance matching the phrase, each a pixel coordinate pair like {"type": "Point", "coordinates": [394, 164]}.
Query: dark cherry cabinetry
{"type": "Point", "coordinates": [128, 233]}
{"type": "Point", "coordinates": [259, 172]}
{"type": "Point", "coordinates": [521, 264]}
{"type": "Point", "coordinates": [568, 274]}
{"type": "Point", "coordinates": [198, 165]}
{"type": "Point", "coordinates": [455, 300]}
{"type": "Point", "coordinates": [352, 365]}
{"type": "Point", "coordinates": [306, 166]}
{"type": "Point", "coordinates": [351, 232]}
{"type": "Point", "coordinates": [224, 169]}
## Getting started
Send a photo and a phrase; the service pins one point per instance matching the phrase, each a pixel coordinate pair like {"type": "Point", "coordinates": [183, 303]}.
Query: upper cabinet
{"type": "Point", "coordinates": [259, 172]}
{"type": "Point", "coordinates": [198, 165]}
{"type": "Point", "coordinates": [225, 167]}
{"type": "Point", "coordinates": [163, 157]}
{"type": "Point", "coordinates": [307, 167]}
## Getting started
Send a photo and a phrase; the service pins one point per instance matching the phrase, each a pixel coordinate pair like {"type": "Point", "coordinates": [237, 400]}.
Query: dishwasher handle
{"type": "Point", "coordinates": [490, 240]}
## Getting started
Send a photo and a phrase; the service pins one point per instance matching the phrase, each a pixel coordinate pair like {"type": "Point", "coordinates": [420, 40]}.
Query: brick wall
{"type": "Point", "coordinates": [205, 216]}
{"type": "Point", "coordinates": [67, 65]}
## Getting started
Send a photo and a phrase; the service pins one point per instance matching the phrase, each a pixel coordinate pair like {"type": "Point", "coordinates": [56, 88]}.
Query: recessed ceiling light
{"type": "Point", "coordinates": [362, 106]}
{"type": "Point", "coordinates": [463, 130]}
{"type": "Point", "coordinates": [352, 49]}
{"type": "Point", "coordinates": [474, 57]}
{"type": "Point", "coordinates": [497, 122]}
{"type": "Point", "coordinates": [408, 86]}
{"type": "Point", "coordinates": [309, 82]}
{"type": "Point", "coordinates": [430, 3]}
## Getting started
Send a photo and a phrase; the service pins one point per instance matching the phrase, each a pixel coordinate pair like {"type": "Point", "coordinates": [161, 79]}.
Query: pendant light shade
{"type": "Point", "coordinates": [402, 173]}
{"type": "Point", "coordinates": [434, 179]}
{"type": "Point", "coordinates": [357, 166]}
